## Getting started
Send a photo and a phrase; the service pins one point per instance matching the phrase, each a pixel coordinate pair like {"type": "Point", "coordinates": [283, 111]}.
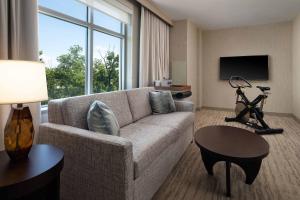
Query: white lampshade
{"type": "Point", "coordinates": [22, 82]}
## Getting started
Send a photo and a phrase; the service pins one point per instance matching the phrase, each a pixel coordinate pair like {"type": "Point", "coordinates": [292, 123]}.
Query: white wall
{"type": "Point", "coordinates": [192, 60]}
{"type": "Point", "coordinates": [178, 52]}
{"type": "Point", "coordinates": [296, 67]}
{"type": "Point", "coordinates": [184, 55]}
{"type": "Point", "coordinates": [200, 69]}
{"type": "Point", "coordinates": [274, 40]}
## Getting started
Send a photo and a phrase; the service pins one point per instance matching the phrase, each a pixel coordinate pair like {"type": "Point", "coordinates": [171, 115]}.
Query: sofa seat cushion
{"type": "Point", "coordinates": [148, 141]}
{"type": "Point", "coordinates": [177, 120]}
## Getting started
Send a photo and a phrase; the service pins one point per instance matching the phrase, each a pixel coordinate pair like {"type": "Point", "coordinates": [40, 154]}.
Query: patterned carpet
{"type": "Point", "coordinates": [278, 179]}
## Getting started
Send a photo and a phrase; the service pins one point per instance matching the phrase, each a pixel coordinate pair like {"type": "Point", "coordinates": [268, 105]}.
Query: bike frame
{"type": "Point", "coordinates": [251, 107]}
{"type": "Point", "coordinates": [259, 99]}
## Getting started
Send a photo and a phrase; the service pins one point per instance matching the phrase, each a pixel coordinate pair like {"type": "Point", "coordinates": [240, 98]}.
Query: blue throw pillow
{"type": "Point", "coordinates": [162, 102]}
{"type": "Point", "coordinates": [101, 119]}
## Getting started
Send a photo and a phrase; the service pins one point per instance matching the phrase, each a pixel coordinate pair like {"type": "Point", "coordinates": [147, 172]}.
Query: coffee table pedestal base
{"type": "Point", "coordinates": [251, 167]}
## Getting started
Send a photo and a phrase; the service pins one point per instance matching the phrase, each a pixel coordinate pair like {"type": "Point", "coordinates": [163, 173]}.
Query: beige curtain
{"type": "Point", "coordinates": [18, 41]}
{"type": "Point", "coordinates": [154, 49]}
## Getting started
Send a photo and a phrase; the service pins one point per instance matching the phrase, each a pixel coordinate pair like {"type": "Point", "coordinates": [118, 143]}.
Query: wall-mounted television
{"type": "Point", "coordinates": [248, 67]}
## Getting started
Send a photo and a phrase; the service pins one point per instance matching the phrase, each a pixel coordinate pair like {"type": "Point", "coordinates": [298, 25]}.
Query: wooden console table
{"type": "Point", "coordinates": [178, 91]}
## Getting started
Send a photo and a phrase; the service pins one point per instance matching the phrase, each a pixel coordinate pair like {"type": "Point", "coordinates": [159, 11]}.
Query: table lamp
{"type": "Point", "coordinates": [21, 82]}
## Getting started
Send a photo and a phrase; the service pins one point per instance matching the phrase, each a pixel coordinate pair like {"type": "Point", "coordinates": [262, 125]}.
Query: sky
{"type": "Point", "coordinates": [57, 36]}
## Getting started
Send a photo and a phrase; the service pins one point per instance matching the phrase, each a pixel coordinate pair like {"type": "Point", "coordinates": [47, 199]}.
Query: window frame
{"type": "Point", "coordinates": [91, 27]}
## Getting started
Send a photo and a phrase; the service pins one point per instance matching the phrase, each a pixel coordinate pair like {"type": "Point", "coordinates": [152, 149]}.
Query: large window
{"type": "Point", "coordinates": [106, 59]}
{"type": "Point", "coordinates": [82, 48]}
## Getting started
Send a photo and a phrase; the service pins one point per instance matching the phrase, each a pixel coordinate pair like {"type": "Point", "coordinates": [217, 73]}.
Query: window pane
{"type": "Point", "coordinates": [62, 49]}
{"type": "Point", "coordinates": [106, 21]}
{"type": "Point", "coordinates": [69, 7]}
{"type": "Point", "coordinates": [106, 62]}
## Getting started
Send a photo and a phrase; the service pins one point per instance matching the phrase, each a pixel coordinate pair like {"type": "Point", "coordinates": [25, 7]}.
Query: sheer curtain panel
{"type": "Point", "coordinates": [154, 49]}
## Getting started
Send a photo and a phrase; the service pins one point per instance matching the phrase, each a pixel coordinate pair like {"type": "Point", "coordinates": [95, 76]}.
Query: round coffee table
{"type": "Point", "coordinates": [232, 145]}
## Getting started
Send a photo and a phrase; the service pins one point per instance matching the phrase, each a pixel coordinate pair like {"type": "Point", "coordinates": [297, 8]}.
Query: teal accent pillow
{"type": "Point", "coordinates": [162, 102]}
{"type": "Point", "coordinates": [101, 119]}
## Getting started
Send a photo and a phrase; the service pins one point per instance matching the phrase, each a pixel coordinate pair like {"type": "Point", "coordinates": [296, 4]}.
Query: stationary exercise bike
{"type": "Point", "coordinates": [248, 112]}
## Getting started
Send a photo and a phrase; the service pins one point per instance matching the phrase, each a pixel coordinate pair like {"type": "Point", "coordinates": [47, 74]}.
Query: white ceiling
{"type": "Point", "coordinates": [218, 14]}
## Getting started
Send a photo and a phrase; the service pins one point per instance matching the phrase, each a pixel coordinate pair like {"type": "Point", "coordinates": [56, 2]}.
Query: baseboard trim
{"type": "Point", "coordinates": [217, 108]}
{"type": "Point", "coordinates": [231, 110]}
{"type": "Point", "coordinates": [296, 118]}
{"type": "Point", "coordinates": [279, 114]}
{"type": "Point", "coordinates": [198, 108]}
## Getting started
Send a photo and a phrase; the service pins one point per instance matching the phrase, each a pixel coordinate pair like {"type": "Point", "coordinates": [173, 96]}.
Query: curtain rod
{"type": "Point", "coordinates": [153, 8]}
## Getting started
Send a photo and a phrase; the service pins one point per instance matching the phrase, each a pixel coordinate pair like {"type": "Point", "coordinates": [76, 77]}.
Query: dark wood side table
{"type": "Point", "coordinates": [232, 145]}
{"type": "Point", "coordinates": [37, 177]}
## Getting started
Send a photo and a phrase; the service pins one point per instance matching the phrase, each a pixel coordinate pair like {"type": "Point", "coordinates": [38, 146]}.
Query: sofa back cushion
{"type": "Point", "coordinates": [75, 109]}
{"type": "Point", "coordinates": [139, 102]}
{"type": "Point", "coordinates": [55, 112]}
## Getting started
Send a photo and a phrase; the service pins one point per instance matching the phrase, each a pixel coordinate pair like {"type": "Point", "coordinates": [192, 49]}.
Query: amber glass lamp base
{"type": "Point", "coordinates": [18, 133]}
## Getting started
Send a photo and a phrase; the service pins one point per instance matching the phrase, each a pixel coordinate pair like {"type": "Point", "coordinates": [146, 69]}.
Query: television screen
{"type": "Point", "coordinates": [248, 67]}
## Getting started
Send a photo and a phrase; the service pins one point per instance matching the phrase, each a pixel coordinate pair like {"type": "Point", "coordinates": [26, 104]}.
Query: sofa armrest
{"type": "Point", "coordinates": [96, 166]}
{"type": "Point", "coordinates": [184, 106]}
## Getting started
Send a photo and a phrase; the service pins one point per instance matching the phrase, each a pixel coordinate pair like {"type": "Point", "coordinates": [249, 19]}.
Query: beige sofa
{"type": "Point", "coordinates": [130, 167]}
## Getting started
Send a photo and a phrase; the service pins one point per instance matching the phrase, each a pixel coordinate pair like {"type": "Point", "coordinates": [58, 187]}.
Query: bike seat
{"type": "Point", "coordinates": [263, 88]}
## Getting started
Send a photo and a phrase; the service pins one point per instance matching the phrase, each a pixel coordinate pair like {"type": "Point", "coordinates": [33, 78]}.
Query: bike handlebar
{"type": "Point", "coordinates": [236, 85]}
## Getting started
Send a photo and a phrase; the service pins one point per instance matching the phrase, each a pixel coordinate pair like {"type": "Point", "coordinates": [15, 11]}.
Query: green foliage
{"type": "Point", "coordinates": [68, 78]}
{"type": "Point", "coordinates": [106, 73]}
